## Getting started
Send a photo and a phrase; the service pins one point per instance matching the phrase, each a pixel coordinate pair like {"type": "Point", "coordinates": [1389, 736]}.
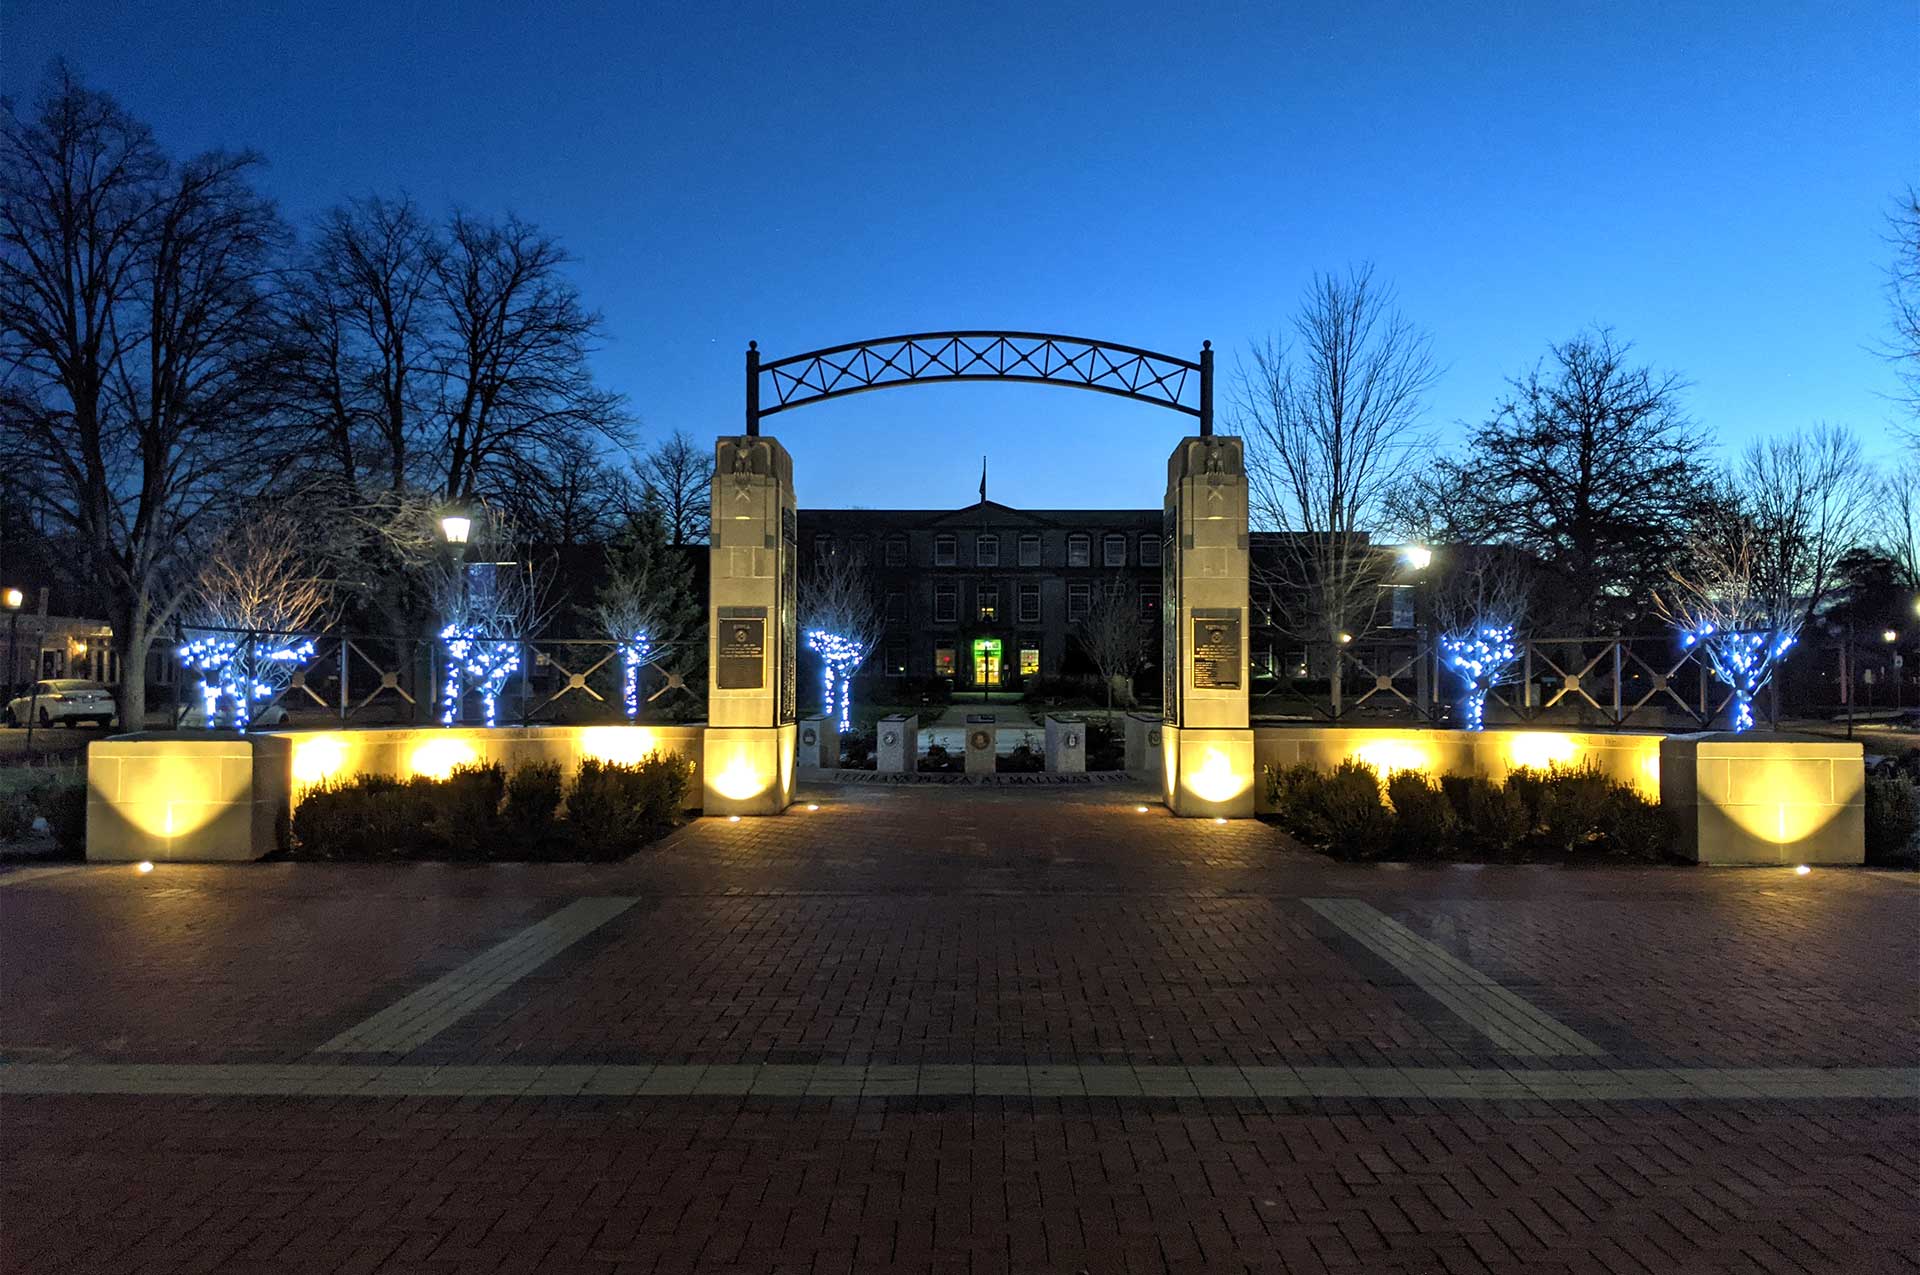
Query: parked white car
{"type": "Point", "coordinates": [63, 701]}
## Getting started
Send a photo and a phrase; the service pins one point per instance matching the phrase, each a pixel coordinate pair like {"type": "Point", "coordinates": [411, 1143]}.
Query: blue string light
{"type": "Point", "coordinates": [481, 663]}
{"type": "Point", "coordinates": [1482, 658]}
{"type": "Point", "coordinates": [633, 653]}
{"type": "Point", "coordinates": [241, 671]}
{"type": "Point", "coordinates": [1743, 660]}
{"type": "Point", "coordinates": [840, 657]}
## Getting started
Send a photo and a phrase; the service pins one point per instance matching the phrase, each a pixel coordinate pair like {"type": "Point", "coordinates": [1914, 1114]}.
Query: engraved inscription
{"type": "Point", "coordinates": [742, 651]}
{"type": "Point", "coordinates": [1216, 653]}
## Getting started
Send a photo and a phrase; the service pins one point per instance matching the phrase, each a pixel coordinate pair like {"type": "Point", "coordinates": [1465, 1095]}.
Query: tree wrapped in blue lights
{"type": "Point", "coordinates": [245, 617]}
{"type": "Point", "coordinates": [1483, 658]}
{"type": "Point", "coordinates": [647, 608]}
{"type": "Point", "coordinates": [1481, 602]}
{"type": "Point", "coordinates": [488, 601]}
{"type": "Point", "coordinates": [1731, 602]}
{"type": "Point", "coordinates": [840, 623]}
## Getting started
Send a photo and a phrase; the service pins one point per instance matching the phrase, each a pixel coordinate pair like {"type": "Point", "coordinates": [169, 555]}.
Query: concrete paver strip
{"type": "Point", "coordinates": [1504, 1018]}
{"type": "Point", "coordinates": [416, 1018]}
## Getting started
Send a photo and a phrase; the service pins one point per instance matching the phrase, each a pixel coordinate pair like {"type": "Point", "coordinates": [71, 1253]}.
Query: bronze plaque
{"type": "Point", "coordinates": [742, 650]}
{"type": "Point", "coordinates": [1216, 653]}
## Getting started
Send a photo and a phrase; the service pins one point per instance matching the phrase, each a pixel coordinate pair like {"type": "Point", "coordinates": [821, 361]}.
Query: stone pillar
{"type": "Point", "coordinates": [982, 743]}
{"type": "Point", "coordinates": [1207, 745]}
{"type": "Point", "coordinates": [1066, 745]}
{"type": "Point", "coordinates": [748, 751]}
{"type": "Point", "coordinates": [820, 742]}
{"type": "Point", "coordinates": [1764, 797]}
{"type": "Point", "coordinates": [896, 745]}
{"type": "Point", "coordinates": [1143, 742]}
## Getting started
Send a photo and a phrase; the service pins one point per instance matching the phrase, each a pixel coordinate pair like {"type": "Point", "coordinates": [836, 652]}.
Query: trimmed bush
{"type": "Point", "coordinates": [533, 802]}
{"type": "Point", "coordinates": [366, 817]}
{"type": "Point", "coordinates": [1571, 805]}
{"type": "Point", "coordinates": [19, 807]}
{"type": "Point", "coordinates": [614, 808]}
{"type": "Point", "coordinates": [1493, 820]}
{"type": "Point", "coordinates": [1425, 825]}
{"type": "Point", "coordinates": [467, 811]}
{"type": "Point", "coordinates": [1022, 760]}
{"type": "Point", "coordinates": [1893, 819]}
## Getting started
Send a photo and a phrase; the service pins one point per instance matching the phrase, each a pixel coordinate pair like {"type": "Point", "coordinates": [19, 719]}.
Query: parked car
{"type": "Point", "coordinates": [65, 701]}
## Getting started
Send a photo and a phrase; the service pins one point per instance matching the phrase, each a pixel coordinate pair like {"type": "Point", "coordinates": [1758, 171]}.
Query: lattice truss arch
{"type": "Point", "coordinates": [1163, 380]}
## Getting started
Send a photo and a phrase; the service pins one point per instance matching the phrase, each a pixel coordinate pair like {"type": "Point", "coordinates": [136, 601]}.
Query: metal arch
{"type": "Point", "coordinates": [1041, 358]}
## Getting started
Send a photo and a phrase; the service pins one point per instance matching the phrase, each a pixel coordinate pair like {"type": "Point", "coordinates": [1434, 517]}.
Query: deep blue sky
{"type": "Point", "coordinates": [1711, 179]}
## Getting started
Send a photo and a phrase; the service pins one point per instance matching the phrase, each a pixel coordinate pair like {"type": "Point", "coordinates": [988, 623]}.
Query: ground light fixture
{"type": "Point", "coordinates": [813, 805]}
{"type": "Point", "coordinates": [1139, 810]}
{"type": "Point", "coordinates": [1802, 870]}
{"type": "Point", "coordinates": [1219, 819]}
{"type": "Point", "coordinates": [733, 818]}
{"type": "Point", "coordinates": [145, 866]}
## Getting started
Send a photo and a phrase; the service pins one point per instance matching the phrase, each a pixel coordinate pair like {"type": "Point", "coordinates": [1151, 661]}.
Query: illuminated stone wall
{"type": "Point", "coordinates": [1632, 759]}
{"type": "Point", "coordinates": [200, 799]}
{"type": "Point", "coordinates": [1764, 798]}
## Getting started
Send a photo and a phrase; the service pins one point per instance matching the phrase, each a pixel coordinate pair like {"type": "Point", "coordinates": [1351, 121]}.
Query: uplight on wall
{"type": "Point", "coordinates": [318, 758]}
{"type": "Point", "coordinates": [625, 745]}
{"type": "Point", "coordinates": [1538, 750]}
{"type": "Point", "coordinates": [1215, 778]}
{"type": "Point", "coordinates": [438, 756]}
{"type": "Point", "coordinates": [1386, 756]}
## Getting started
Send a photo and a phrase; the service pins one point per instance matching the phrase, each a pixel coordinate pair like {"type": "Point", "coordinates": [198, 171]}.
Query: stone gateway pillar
{"type": "Point", "coordinates": [1207, 746]}
{"type": "Point", "coordinates": [748, 750]}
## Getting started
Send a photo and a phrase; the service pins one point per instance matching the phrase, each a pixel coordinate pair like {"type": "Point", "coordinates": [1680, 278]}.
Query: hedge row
{"type": "Point", "coordinates": [484, 814]}
{"type": "Point", "coordinates": [1553, 815]}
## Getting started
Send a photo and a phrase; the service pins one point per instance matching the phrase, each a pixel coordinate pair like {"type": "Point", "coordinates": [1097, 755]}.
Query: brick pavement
{"type": "Point", "coordinates": [922, 932]}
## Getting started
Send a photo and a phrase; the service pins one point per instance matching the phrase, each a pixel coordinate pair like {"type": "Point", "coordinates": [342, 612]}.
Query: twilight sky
{"type": "Point", "coordinates": [1710, 179]}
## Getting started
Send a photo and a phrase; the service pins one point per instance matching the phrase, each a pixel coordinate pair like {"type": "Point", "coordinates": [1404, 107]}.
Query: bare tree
{"type": "Point", "coordinates": [1810, 499]}
{"type": "Point", "coordinates": [1332, 421]}
{"type": "Point", "coordinates": [1903, 295]}
{"type": "Point", "coordinates": [361, 324]}
{"type": "Point", "coordinates": [1897, 521]}
{"type": "Point", "coordinates": [134, 325]}
{"type": "Point", "coordinates": [512, 368]}
{"type": "Point", "coordinates": [579, 503]}
{"type": "Point", "coordinates": [1591, 466]}
{"type": "Point", "coordinates": [840, 621]}
{"type": "Point", "coordinates": [676, 477]}
{"type": "Point", "coordinates": [1725, 598]}
{"type": "Point", "coordinates": [1113, 635]}
{"type": "Point", "coordinates": [646, 604]}
{"type": "Point", "coordinates": [1480, 610]}
{"type": "Point", "coordinates": [250, 615]}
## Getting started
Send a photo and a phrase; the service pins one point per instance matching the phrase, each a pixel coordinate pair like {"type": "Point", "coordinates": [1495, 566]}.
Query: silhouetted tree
{"type": "Point", "coordinates": [135, 321]}
{"type": "Point", "coordinates": [1809, 499]}
{"type": "Point", "coordinates": [1589, 465]}
{"type": "Point", "coordinates": [1331, 421]}
{"type": "Point", "coordinates": [646, 605]}
{"type": "Point", "coordinates": [1116, 640]}
{"type": "Point", "coordinates": [1903, 295]}
{"type": "Point", "coordinates": [676, 478]}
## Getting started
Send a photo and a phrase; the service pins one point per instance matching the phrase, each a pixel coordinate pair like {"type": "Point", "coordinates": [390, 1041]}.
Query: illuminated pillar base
{"type": "Point", "coordinates": [1207, 772]}
{"type": "Point", "coordinates": [210, 797]}
{"type": "Point", "coordinates": [1759, 798]}
{"type": "Point", "coordinates": [747, 770]}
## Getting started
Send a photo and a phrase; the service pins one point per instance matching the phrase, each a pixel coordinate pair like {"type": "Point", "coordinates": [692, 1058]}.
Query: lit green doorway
{"type": "Point", "coordinates": [986, 662]}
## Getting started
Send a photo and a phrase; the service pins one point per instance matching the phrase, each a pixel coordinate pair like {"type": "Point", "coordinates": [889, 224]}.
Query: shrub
{"type": "Point", "coordinates": [1632, 826]}
{"type": "Point", "coordinates": [1106, 746]}
{"type": "Point", "coordinates": [1294, 794]}
{"type": "Point", "coordinates": [1358, 823]}
{"type": "Point", "coordinates": [938, 760]}
{"type": "Point", "coordinates": [613, 808]}
{"type": "Point", "coordinates": [1893, 819]}
{"type": "Point", "coordinates": [19, 807]}
{"type": "Point", "coordinates": [856, 750]}
{"type": "Point", "coordinates": [466, 808]}
{"type": "Point", "coordinates": [1022, 760]}
{"type": "Point", "coordinates": [366, 817]}
{"type": "Point", "coordinates": [63, 804]}
{"type": "Point", "coordinates": [1493, 820]}
{"type": "Point", "coordinates": [533, 803]}
{"type": "Point", "coordinates": [1425, 825]}
{"type": "Point", "coordinates": [1571, 807]}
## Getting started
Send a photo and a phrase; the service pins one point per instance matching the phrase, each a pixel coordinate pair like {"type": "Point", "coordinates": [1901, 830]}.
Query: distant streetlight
{"type": "Point", "coordinates": [1419, 557]}
{"type": "Point", "coordinates": [1890, 635]}
{"type": "Point", "coordinates": [456, 525]}
{"type": "Point", "coordinates": [14, 600]}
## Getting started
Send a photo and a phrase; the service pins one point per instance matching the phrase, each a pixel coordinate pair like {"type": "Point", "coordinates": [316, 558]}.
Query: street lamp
{"type": "Point", "coordinates": [1889, 635]}
{"type": "Point", "coordinates": [14, 600]}
{"type": "Point", "coordinates": [1419, 557]}
{"type": "Point", "coordinates": [456, 525]}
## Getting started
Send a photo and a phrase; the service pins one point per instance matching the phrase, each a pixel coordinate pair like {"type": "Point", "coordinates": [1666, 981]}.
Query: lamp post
{"type": "Point", "coordinates": [456, 528]}
{"type": "Point", "coordinates": [14, 600]}
{"type": "Point", "coordinates": [1417, 558]}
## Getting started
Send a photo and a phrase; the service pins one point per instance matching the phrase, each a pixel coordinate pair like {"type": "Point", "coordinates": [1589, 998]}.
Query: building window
{"type": "Point", "coordinates": [986, 551]}
{"type": "Point", "coordinates": [1150, 550]}
{"type": "Point", "coordinates": [1079, 550]}
{"type": "Point", "coordinates": [946, 550]}
{"type": "Point", "coordinates": [897, 551]}
{"type": "Point", "coordinates": [1029, 550]}
{"type": "Point", "coordinates": [1113, 551]}
{"type": "Point", "coordinates": [946, 604]}
{"type": "Point", "coordinates": [1149, 601]}
{"type": "Point", "coordinates": [943, 661]}
{"type": "Point", "coordinates": [988, 597]}
{"type": "Point", "coordinates": [1029, 660]}
{"type": "Point", "coordinates": [896, 606]}
{"type": "Point", "coordinates": [1079, 594]}
{"type": "Point", "coordinates": [1029, 604]}
{"type": "Point", "coordinates": [896, 658]}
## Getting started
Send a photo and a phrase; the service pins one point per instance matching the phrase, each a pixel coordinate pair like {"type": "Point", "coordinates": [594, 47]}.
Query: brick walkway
{"type": "Point", "coordinates": [962, 1030]}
